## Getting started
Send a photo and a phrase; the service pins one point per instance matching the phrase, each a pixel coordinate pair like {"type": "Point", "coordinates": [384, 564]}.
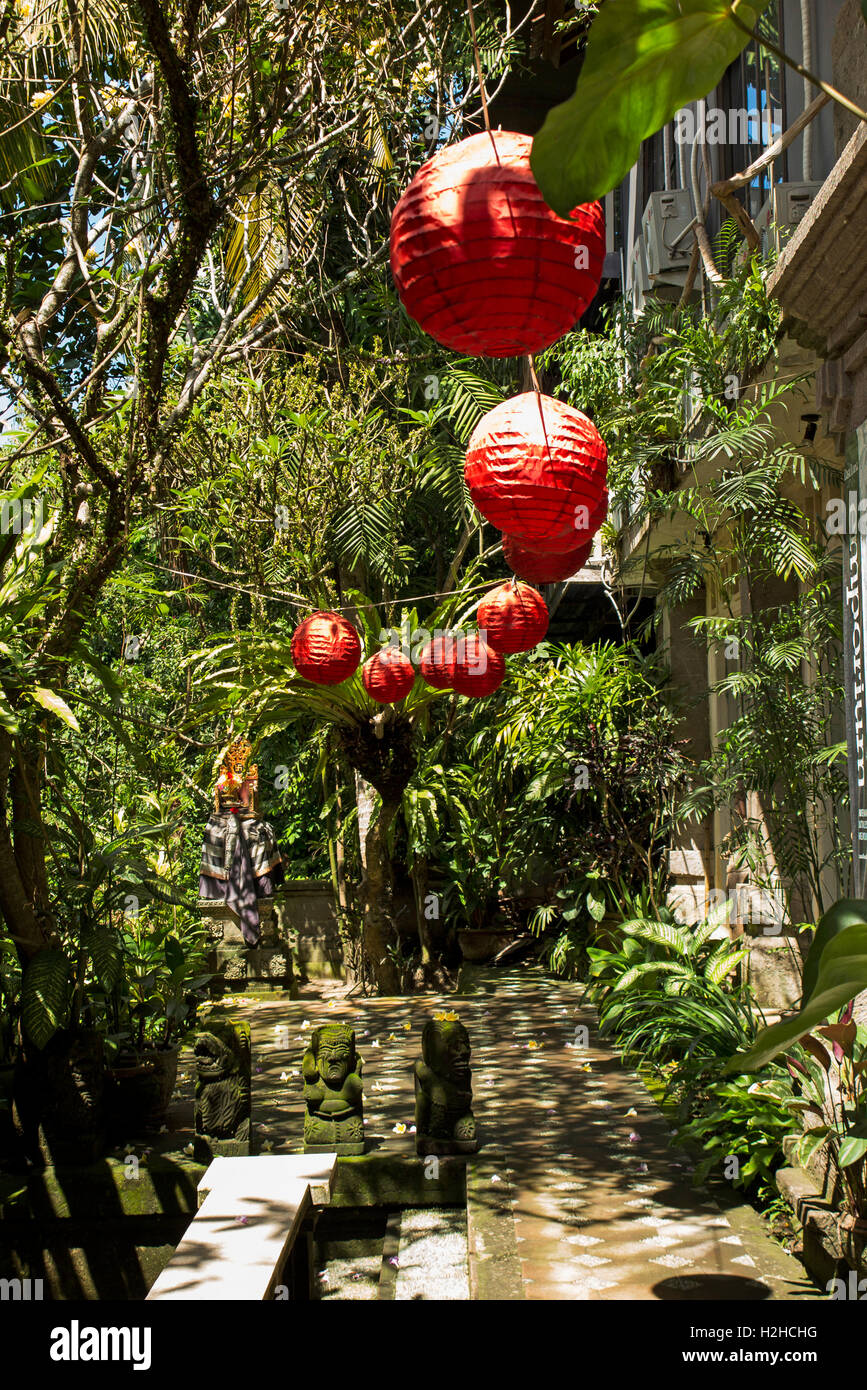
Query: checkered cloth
{"type": "Point", "coordinates": [241, 863]}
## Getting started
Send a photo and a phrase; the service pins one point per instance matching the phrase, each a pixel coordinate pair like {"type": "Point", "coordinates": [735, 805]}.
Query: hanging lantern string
{"type": "Point", "coordinates": [482, 91]}
{"type": "Point", "coordinates": [304, 604]}
{"type": "Point", "coordinates": [537, 388]}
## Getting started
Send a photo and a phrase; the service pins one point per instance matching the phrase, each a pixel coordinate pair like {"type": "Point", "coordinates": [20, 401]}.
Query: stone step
{"type": "Point", "coordinates": [425, 1256]}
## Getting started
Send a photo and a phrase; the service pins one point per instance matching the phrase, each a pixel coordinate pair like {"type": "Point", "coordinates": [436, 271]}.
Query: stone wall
{"type": "Point", "coordinates": [849, 59]}
{"type": "Point", "coordinates": [307, 921]}
{"type": "Point", "coordinates": [299, 938]}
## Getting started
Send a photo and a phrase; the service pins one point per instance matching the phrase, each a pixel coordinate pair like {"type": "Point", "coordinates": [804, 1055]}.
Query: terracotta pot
{"type": "Point", "coordinates": [140, 1092]}
{"type": "Point", "coordinates": [59, 1098]}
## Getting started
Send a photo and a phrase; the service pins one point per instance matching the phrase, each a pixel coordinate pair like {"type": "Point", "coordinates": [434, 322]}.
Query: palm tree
{"type": "Point", "coordinates": [248, 677]}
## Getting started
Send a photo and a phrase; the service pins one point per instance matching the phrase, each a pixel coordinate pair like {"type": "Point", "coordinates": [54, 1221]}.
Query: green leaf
{"type": "Point", "coordinates": [851, 1150]}
{"type": "Point", "coordinates": [104, 949]}
{"type": "Point", "coordinates": [174, 953]}
{"type": "Point", "coordinates": [542, 786]}
{"type": "Point", "coordinates": [49, 700]}
{"type": "Point", "coordinates": [846, 912]}
{"type": "Point", "coordinates": [842, 974]}
{"type": "Point", "coordinates": [45, 992]}
{"type": "Point", "coordinates": [723, 962]}
{"type": "Point", "coordinates": [595, 906]}
{"type": "Point", "coordinates": [645, 60]}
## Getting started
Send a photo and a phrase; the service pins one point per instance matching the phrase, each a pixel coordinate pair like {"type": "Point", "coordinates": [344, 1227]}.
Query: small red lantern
{"type": "Point", "coordinates": [536, 469]}
{"type": "Point", "coordinates": [478, 669]}
{"type": "Point", "coordinates": [544, 569]}
{"type": "Point", "coordinates": [479, 259]}
{"type": "Point", "coordinates": [513, 617]}
{"type": "Point", "coordinates": [388, 675]}
{"type": "Point", "coordinates": [325, 648]}
{"type": "Point", "coordinates": [437, 661]}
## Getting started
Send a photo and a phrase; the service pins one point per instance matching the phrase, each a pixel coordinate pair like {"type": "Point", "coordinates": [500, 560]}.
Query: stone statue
{"type": "Point", "coordinates": [334, 1120]}
{"type": "Point", "coordinates": [222, 1108]}
{"type": "Point", "coordinates": [444, 1117]}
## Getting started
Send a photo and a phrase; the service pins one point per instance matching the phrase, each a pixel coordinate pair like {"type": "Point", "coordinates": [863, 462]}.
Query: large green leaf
{"type": "Point", "coordinates": [45, 991]}
{"type": "Point", "coordinates": [847, 912]}
{"type": "Point", "coordinates": [104, 948]}
{"type": "Point", "coordinates": [645, 60]}
{"type": "Point", "coordinates": [50, 700]}
{"type": "Point", "coordinates": [842, 975]}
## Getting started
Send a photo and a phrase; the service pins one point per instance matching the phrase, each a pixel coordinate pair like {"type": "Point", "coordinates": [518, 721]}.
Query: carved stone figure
{"type": "Point", "coordinates": [222, 1109]}
{"type": "Point", "coordinates": [333, 1092]}
{"type": "Point", "coordinates": [444, 1117]}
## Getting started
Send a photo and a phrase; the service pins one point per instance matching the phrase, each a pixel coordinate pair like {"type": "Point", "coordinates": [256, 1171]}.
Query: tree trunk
{"type": "Point", "coordinates": [378, 929]}
{"type": "Point", "coordinates": [29, 929]}
{"type": "Point", "coordinates": [381, 755]}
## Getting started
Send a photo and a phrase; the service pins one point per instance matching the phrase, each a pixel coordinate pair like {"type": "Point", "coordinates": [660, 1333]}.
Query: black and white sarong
{"type": "Point", "coordinates": [241, 863]}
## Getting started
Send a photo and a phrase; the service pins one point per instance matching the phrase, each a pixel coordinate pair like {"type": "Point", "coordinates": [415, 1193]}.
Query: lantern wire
{"type": "Point", "coordinates": [482, 91]}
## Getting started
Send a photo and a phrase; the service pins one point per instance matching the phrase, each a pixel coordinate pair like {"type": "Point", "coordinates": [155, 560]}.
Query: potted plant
{"type": "Point", "coordinates": [162, 976]}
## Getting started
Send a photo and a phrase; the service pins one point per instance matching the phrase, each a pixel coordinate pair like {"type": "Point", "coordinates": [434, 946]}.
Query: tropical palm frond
{"type": "Point", "coordinates": [256, 244]}
{"type": "Point", "coordinates": [466, 397]}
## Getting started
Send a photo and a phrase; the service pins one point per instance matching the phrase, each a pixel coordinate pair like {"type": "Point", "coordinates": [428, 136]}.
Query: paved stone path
{"type": "Point", "coordinates": [603, 1206]}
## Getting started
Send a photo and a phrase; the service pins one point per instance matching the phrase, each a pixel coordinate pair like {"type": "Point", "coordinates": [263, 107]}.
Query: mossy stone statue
{"type": "Point", "coordinates": [333, 1092]}
{"type": "Point", "coordinates": [223, 1104]}
{"type": "Point", "coordinates": [444, 1118]}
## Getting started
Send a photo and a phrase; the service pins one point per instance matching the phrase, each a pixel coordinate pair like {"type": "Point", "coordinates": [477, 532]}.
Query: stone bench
{"type": "Point", "coordinates": [240, 1241]}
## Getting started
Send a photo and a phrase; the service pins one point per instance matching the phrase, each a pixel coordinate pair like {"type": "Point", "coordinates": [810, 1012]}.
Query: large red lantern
{"type": "Point", "coordinates": [478, 669]}
{"type": "Point", "coordinates": [513, 617]}
{"type": "Point", "coordinates": [462, 662]}
{"type": "Point", "coordinates": [436, 661]}
{"type": "Point", "coordinates": [326, 648]}
{"type": "Point", "coordinates": [544, 569]}
{"type": "Point", "coordinates": [479, 259]}
{"type": "Point", "coordinates": [536, 469]}
{"type": "Point", "coordinates": [587, 523]}
{"type": "Point", "coordinates": [388, 675]}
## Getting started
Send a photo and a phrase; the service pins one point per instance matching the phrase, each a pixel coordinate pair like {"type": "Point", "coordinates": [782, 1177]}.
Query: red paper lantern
{"type": "Point", "coordinates": [536, 469]}
{"type": "Point", "coordinates": [388, 675]}
{"type": "Point", "coordinates": [462, 662]}
{"type": "Point", "coordinates": [513, 617]}
{"type": "Point", "coordinates": [325, 648]}
{"type": "Point", "coordinates": [580, 535]}
{"type": "Point", "coordinates": [544, 569]}
{"type": "Point", "coordinates": [478, 669]}
{"type": "Point", "coordinates": [436, 662]}
{"type": "Point", "coordinates": [479, 259]}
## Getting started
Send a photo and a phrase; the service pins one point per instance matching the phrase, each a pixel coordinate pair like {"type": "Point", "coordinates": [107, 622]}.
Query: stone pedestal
{"type": "Point", "coordinates": [237, 966]}
{"type": "Point", "coordinates": [774, 970]}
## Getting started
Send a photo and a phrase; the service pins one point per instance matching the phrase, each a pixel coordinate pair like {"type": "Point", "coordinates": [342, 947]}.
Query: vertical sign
{"type": "Point", "coordinates": [855, 650]}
